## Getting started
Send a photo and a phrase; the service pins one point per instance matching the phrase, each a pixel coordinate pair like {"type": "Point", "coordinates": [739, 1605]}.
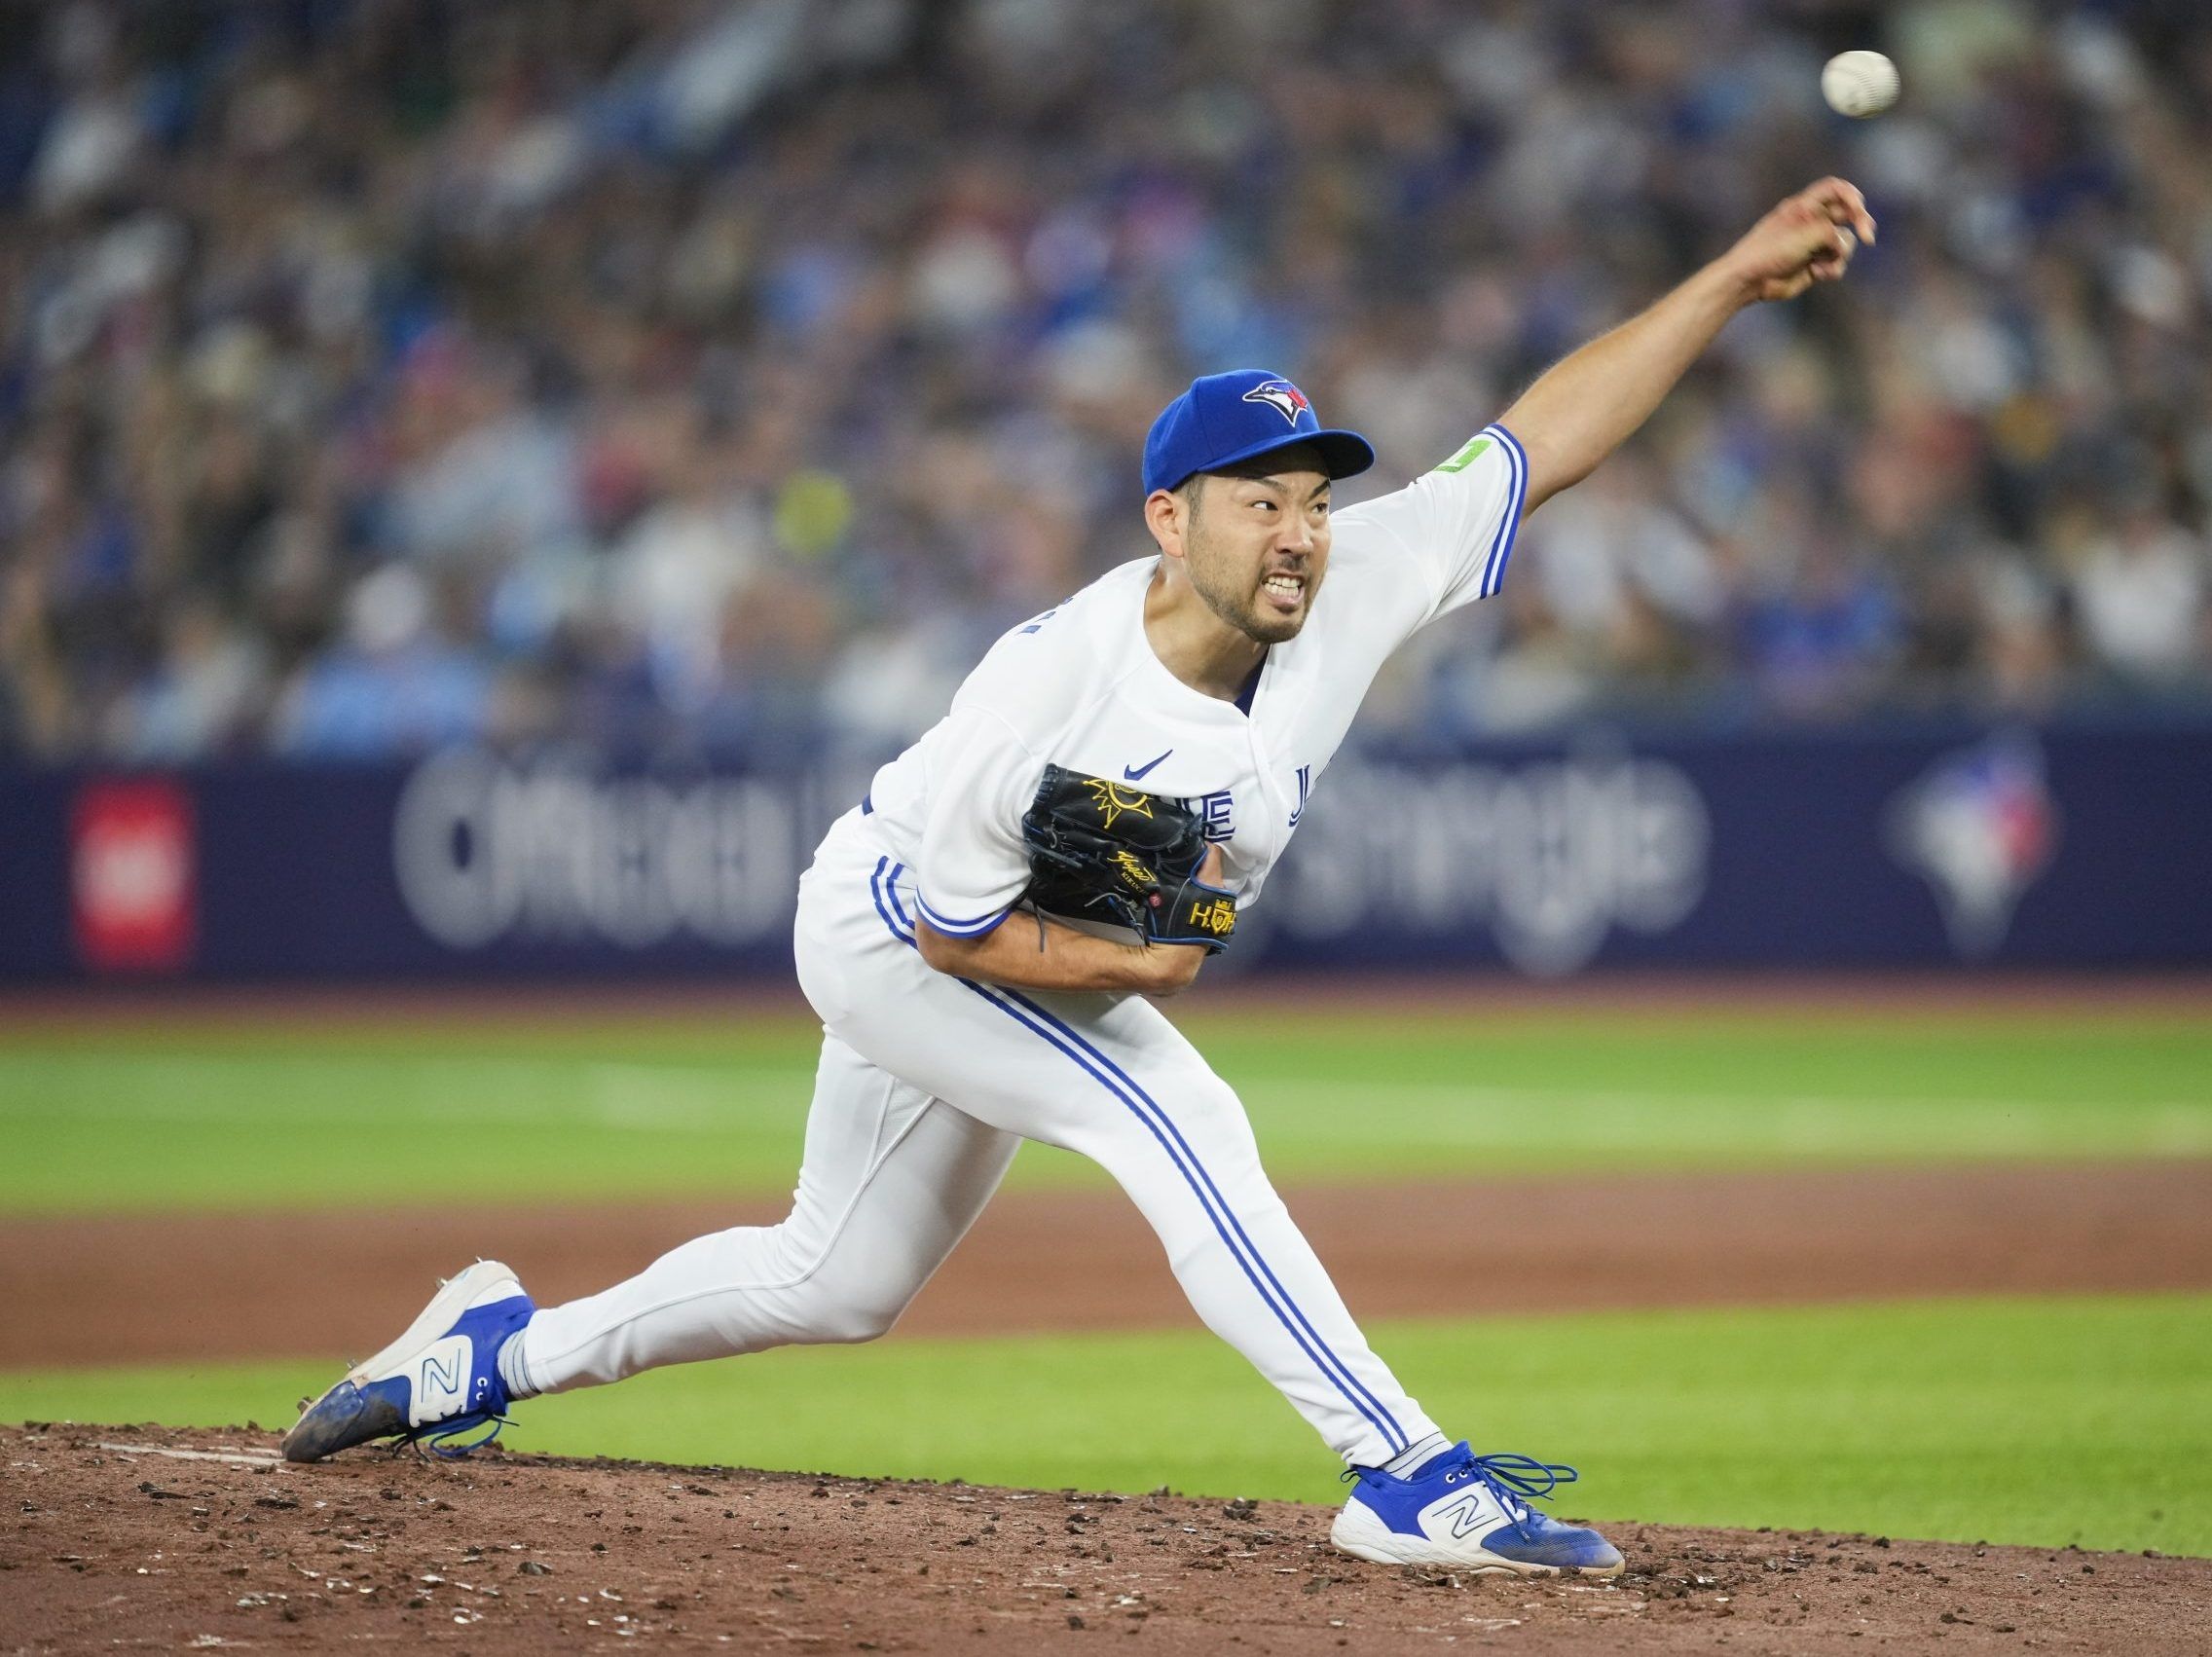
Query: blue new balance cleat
{"type": "Point", "coordinates": [436, 1382]}
{"type": "Point", "coordinates": [1469, 1512]}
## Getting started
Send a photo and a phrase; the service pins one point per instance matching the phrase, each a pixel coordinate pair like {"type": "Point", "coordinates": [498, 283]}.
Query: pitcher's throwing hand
{"type": "Point", "coordinates": [1809, 238]}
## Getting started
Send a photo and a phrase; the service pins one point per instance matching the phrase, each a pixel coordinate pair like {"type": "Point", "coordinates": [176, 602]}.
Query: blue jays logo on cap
{"type": "Point", "coordinates": [1282, 396]}
{"type": "Point", "coordinates": [1227, 419]}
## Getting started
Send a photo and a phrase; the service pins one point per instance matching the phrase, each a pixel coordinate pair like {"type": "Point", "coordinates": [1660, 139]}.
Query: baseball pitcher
{"type": "Point", "coordinates": [984, 932]}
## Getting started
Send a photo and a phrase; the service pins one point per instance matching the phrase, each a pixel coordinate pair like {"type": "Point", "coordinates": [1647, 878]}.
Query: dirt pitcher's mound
{"type": "Point", "coordinates": [190, 1540]}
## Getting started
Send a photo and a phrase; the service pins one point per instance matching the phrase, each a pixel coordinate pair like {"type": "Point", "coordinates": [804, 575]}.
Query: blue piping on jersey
{"type": "Point", "coordinates": [875, 887]}
{"type": "Point", "coordinates": [980, 927]}
{"type": "Point", "coordinates": [1294, 1321]}
{"type": "Point", "coordinates": [1509, 527]}
{"type": "Point", "coordinates": [1251, 689]}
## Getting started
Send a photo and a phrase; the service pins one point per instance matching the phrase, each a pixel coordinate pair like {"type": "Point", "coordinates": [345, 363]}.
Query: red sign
{"type": "Point", "coordinates": [132, 875]}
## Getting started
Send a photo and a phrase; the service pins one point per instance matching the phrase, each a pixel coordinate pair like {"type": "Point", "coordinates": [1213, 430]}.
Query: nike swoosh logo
{"type": "Point", "coordinates": [1134, 773]}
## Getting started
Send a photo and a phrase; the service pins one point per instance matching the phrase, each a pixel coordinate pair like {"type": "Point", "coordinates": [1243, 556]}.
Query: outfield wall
{"type": "Point", "coordinates": [1953, 847]}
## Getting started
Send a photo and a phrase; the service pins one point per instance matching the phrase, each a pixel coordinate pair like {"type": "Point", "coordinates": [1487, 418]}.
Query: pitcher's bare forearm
{"type": "Point", "coordinates": [1028, 951]}
{"type": "Point", "coordinates": [1586, 406]}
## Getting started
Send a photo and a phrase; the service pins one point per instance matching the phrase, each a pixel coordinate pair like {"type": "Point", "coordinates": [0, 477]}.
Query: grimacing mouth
{"type": "Point", "coordinates": [1287, 583]}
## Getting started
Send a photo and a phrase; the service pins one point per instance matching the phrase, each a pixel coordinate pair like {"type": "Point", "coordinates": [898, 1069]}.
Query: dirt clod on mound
{"type": "Point", "coordinates": [198, 1539]}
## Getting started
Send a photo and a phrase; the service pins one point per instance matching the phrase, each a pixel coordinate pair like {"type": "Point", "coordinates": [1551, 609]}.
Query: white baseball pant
{"type": "Point", "coordinates": [926, 1086]}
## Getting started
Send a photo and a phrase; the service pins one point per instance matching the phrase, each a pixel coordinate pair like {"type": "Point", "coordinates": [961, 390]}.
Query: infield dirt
{"type": "Point", "coordinates": [147, 1536]}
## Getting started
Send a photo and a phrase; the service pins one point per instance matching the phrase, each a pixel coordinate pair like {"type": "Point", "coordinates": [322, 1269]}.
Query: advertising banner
{"type": "Point", "coordinates": [1957, 848]}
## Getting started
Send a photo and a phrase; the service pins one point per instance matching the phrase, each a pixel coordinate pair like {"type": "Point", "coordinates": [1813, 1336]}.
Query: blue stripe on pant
{"type": "Point", "coordinates": [1147, 1110]}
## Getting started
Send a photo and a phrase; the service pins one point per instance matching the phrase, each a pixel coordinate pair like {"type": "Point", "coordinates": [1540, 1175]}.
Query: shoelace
{"type": "Point", "coordinates": [437, 1438]}
{"type": "Point", "coordinates": [1523, 1476]}
{"type": "Point", "coordinates": [1516, 1480]}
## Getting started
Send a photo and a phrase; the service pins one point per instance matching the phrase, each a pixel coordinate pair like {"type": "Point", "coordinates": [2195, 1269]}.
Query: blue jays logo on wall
{"type": "Point", "coordinates": [1283, 396]}
{"type": "Point", "coordinates": [1981, 827]}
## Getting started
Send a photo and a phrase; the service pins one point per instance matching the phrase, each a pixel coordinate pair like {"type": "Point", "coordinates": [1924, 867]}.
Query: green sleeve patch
{"type": "Point", "coordinates": [1465, 458]}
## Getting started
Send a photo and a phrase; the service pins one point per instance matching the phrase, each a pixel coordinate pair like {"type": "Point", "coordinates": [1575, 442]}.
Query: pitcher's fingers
{"type": "Point", "coordinates": [1821, 241]}
{"type": "Point", "coordinates": [1829, 269]}
{"type": "Point", "coordinates": [1831, 260]}
{"type": "Point", "coordinates": [1841, 201]}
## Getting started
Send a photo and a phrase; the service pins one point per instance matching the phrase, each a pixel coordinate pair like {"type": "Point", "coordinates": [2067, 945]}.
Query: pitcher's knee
{"type": "Point", "coordinates": [817, 1296]}
{"type": "Point", "coordinates": [835, 1305]}
{"type": "Point", "coordinates": [841, 1320]}
{"type": "Point", "coordinates": [1211, 1120]}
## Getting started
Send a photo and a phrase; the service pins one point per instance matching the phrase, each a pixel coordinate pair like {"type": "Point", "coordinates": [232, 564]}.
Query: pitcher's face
{"type": "Point", "coordinates": [1257, 546]}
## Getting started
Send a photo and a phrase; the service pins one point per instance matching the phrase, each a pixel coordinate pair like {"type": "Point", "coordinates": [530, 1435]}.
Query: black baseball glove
{"type": "Point", "coordinates": [1101, 851]}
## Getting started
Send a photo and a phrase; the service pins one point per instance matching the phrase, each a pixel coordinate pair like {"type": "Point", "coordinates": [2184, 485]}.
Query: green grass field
{"type": "Point", "coordinates": [2015, 1420]}
{"type": "Point", "coordinates": [2030, 1421]}
{"type": "Point", "coordinates": [176, 1116]}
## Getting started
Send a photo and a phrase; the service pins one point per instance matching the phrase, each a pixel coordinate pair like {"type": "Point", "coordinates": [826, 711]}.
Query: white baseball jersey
{"type": "Point", "coordinates": [929, 1083]}
{"type": "Point", "coordinates": [1080, 687]}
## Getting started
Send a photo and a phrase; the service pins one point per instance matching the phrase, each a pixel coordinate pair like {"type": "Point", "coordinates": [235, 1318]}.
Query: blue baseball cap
{"type": "Point", "coordinates": [1238, 416]}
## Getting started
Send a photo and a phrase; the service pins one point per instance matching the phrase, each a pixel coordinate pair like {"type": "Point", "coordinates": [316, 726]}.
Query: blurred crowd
{"type": "Point", "coordinates": [688, 378]}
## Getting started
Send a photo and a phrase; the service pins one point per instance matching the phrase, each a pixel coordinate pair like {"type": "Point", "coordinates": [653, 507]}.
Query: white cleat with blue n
{"type": "Point", "coordinates": [1469, 1512]}
{"type": "Point", "coordinates": [436, 1382]}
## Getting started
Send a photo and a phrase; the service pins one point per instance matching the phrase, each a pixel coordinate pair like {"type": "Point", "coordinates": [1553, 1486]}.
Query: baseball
{"type": "Point", "coordinates": [1860, 84]}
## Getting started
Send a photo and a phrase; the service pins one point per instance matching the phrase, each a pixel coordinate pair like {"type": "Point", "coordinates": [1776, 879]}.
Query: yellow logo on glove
{"type": "Point", "coordinates": [1214, 915]}
{"type": "Point", "coordinates": [1113, 799]}
{"type": "Point", "coordinates": [1133, 870]}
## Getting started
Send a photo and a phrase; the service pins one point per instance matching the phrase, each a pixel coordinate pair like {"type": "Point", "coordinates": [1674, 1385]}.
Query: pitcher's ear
{"type": "Point", "coordinates": [1168, 515]}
